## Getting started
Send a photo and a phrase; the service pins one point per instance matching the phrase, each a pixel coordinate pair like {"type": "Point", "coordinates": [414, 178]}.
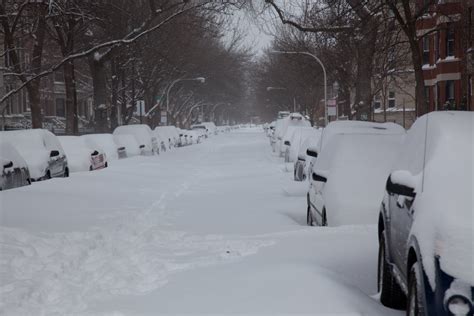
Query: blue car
{"type": "Point", "coordinates": [425, 227]}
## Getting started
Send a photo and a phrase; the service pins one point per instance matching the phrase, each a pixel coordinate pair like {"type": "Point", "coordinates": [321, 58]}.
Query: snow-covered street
{"type": "Point", "coordinates": [218, 227]}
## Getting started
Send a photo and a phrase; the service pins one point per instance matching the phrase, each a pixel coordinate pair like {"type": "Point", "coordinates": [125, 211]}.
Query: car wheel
{"type": "Point", "coordinates": [90, 168]}
{"type": "Point", "coordinates": [66, 173]}
{"type": "Point", "coordinates": [106, 165]}
{"type": "Point", "coordinates": [391, 295]}
{"type": "Point", "coordinates": [415, 299]}
{"type": "Point", "coordinates": [48, 175]}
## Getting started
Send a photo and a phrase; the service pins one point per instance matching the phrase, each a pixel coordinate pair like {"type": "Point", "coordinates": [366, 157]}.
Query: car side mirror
{"type": "Point", "coordinates": [141, 146]}
{"type": "Point", "coordinates": [312, 152]}
{"type": "Point", "coordinates": [95, 153]}
{"type": "Point", "coordinates": [121, 149]}
{"type": "Point", "coordinates": [401, 183]}
{"type": "Point", "coordinates": [8, 165]}
{"type": "Point", "coordinates": [54, 153]}
{"type": "Point", "coordinates": [319, 178]}
{"type": "Point", "coordinates": [301, 157]}
{"type": "Point", "coordinates": [287, 143]}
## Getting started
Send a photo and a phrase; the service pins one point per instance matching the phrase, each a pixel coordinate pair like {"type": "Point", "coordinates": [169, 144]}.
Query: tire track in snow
{"type": "Point", "coordinates": [59, 273]}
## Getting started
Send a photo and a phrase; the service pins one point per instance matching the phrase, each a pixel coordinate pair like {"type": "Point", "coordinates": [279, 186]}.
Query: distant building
{"type": "Point", "coordinates": [446, 41]}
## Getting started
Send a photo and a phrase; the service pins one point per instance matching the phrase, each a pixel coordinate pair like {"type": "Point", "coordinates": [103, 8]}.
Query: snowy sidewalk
{"type": "Point", "coordinates": [212, 228]}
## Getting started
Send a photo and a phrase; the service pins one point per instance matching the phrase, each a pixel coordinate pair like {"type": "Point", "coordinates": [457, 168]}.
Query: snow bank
{"type": "Point", "coordinates": [105, 142]}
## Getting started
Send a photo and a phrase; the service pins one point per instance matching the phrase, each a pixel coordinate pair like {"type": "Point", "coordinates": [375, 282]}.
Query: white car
{"type": "Point", "coordinates": [169, 134]}
{"type": "Point", "coordinates": [14, 169]}
{"type": "Point", "coordinates": [148, 142]}
{"type": "Point", "coordinates": [42, 152]}
{"type": "Point", "coordinates": [348, 176]}
{"type": "Point", "coordinates": [81, 155]}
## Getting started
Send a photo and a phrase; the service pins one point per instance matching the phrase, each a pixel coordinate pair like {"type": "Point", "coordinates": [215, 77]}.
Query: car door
{"type": "Point", "coordinates": [401, 218]}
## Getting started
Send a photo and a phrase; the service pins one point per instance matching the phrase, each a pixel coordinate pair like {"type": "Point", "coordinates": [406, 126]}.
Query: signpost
{"type": "Point", "coordinates": [164, 117]}
{"type": "Point", "coordinates": [332, 107]}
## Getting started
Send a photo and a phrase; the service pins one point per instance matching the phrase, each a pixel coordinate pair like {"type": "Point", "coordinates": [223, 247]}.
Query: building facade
{"type": "Point", "coordinates": [445, 32]}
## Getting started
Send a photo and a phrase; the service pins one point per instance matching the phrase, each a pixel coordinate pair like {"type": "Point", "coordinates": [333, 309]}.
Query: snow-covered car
{"type": "Point", "coordinates": [202, 128]}
{"type": "Point", "coordinates": [426, 219]}
{"type": "Point", "coordinates": [42, 152]}
{"type": "Point", "coordinates": [148, 142]}
{"type": "Point", "coordinates": [14, 168]}
{"type": "Point", "coordinates": [168, 134]}
{"type": "Point", "coordinates": [283, 114]}
{"type": "Point", "coordinates": [192, 137]}
{"type": "Point", "coordinates": [107, 143]}
{"type": "Point", "coordinates": [129, 143]}
{"type": "Point", "coordinates": [81, 155]}
{"type": "Point", "coordinates": [293, 139]}
{"type": "Point", "coordinates": [211, 127]}
{"type": "Point", "coordinates": [294, 119]}
{"type": "Point", "coordinates": [347, 178]}
{"type": "Point", "coordinates": [305, 160]}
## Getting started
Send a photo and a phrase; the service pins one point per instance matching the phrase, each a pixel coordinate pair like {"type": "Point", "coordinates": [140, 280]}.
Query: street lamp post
{"type": "Point", "coordinates": [325, 78]}
{"type": "Point", "coordinates": [199, 79]}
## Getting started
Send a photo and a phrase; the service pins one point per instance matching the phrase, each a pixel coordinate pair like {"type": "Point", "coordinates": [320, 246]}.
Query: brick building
{"type": "Point", "coordinates": [446, 40]}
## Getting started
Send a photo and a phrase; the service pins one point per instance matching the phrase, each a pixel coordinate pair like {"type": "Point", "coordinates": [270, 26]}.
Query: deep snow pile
{"type": "Point", "coordinates": [203, 229]}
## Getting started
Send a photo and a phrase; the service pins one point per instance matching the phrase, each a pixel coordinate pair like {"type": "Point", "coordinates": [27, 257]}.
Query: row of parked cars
{"type": "Point", "coordinates": [37, 154]}
{"type": "Point", "coordinates": [417, 186]}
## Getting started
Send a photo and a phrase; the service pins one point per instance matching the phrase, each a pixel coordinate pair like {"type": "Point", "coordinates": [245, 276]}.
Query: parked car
{"type": "Point", "coordinates": [129, 143]}
{"type": "Point", "coordinates": [107, 143]}
{"type": "Point", "coordinates": [293, 139]}
{"type": "Point", "coordinates": [42, 152]}
{"type": "Point", "coordinates": [148, 142]}
{"type": "Point", "coordinates": [303, 161]}
{"type": "Point", "coordinates": [346, 184]}
{"type": "Point", "coordinates": [168, 134]}
{"type": "Point", "coordinates": [201, 127]}
{"type": "Point", "coordinates": [294, 119]}
{"type": "Point", "coordinates": [426, 219]}
{"type": "Point", "coordinates": [211, 127]}
{"type": "Point", "coordinates": [15, 171]}
{"type": "Point", "coordinates": [81, 155]}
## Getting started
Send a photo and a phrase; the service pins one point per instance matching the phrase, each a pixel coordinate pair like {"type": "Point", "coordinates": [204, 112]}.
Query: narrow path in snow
{"type": "Point", "coordinates": [212, 228]}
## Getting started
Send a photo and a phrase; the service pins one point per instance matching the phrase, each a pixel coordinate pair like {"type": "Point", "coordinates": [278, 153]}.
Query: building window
{"type": "Point", "coordinates": [436, 46]}
{"type": "Point", "coordinates": [377, 104]}
{"type": "Point", "coordinates": [60, 107]}
{"type": "Point", "coordinates": [59, 76]}
{"type": "Point", "coordinates": [450, 40]}
{"type": "Point", "coordinates": [426, 50]}
{"type": "Point", "coordinates": [391, 99]}
{"type": "Point", "coordinates": [450, 90]}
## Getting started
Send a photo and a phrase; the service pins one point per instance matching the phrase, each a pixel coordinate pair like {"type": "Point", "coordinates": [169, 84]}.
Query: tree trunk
{"type": "Point", "coordinates": [365, 54]}
{"type": "Point", "coordinates": [35, 104]}
{"type": "Point", "coordinates": [99, 82]}
{"type": "Point", "coordinates": [72, 127]}
{"type": "Point", "coordinates": [421, 103]}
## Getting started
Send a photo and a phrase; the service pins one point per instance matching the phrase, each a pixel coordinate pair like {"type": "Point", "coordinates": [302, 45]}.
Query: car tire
{"type": "Point", "coordinates": [415, 306]}
{"type": "Point", "coordinates": [48, 175]}
{"type": "Point", "coordinates": [391, 294]}
{"type": "Point", "coordinates": [66, 173]}
{"type": "Point", "coordinates": [106, 165]}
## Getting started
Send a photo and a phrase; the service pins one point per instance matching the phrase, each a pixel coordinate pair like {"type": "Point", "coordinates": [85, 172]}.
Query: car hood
{"type": "Point", "coordinates": [37, 163]}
